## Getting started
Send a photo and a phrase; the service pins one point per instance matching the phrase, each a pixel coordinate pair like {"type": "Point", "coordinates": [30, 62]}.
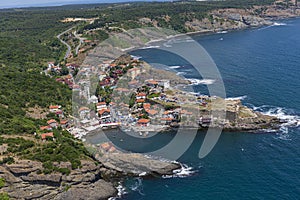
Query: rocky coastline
{"type": "Point", "coordinates": [98, 178]}
{"type": "Point", "coordinates": [95, 180]}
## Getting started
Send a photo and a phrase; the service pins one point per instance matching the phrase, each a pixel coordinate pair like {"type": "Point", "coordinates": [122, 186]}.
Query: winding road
{"type": "Point", "coordinates": [68, 46]}
{"type": "Point", "coordinates": [81, 41]}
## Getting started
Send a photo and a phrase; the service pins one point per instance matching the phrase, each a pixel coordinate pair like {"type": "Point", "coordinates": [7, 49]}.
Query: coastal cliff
{"type": "Point", "coordinates": [95, 180]}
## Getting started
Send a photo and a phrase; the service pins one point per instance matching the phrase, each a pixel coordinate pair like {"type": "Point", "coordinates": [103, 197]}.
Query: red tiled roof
{"type": "Point", "coordinates": [166, 119]}
{"type": "Point", "coordinates": [54, 107]}
{"type": "Point", "coordinates": [42, 128]}
{"type": "Point", "coordinates": [143, 121]}
{"type": "Point", "coordinates": [51, 121]}
{"type": "Point", "coordinates": [64, 121]}
{"type": "Point", "coordinates": [141, 94]}
{"type": "Point", "coordinates": [83, 108]}
{"type": "Point", "coordinates": [152, 82]}
{"type": "Point", "coordinates": [151, 112]}
{"type": "Point", "coordinates": [140, 100]}
{"type": "Point", "coordinates": [101, 103]}
{"type": "Point", "coordinates": [105, 146]}
{"type": "Point", "coordinates": [146, 106]}
{"type": "Point", "coordinates": [103, 111]}
{"type": "Point", "coordinates": [44, 135]}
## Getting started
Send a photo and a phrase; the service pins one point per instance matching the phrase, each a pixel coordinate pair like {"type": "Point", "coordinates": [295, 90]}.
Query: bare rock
{"type": "Point", "coordinates": [96, 191]}
{"type": "Point", "coordinates": [21, 167]}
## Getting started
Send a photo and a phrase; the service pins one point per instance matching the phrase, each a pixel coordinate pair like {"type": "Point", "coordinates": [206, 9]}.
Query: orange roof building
{"type": "Point", "coordinates": [151, 112]}
{"type": "Point", "coordinates": [143, 122]}
{"type": "Point", "coordinates": [51, 121]}
{"type": "Point", "coordinates": [45, 135]}
{"type": "Point", "coordinates": [140, 101]}
{"type": "Point", "coordinates": [42, 128]}
{"type": "Point", "coordinates": [52, 107]}
{"type": "Point", "coordinates": [101, 112]}
{"type": "Point", "coordinates": [147, 106]}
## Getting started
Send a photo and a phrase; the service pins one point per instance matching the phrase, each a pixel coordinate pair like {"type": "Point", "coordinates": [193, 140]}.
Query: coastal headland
{"type": "Point", "coordinates": [153, 103]}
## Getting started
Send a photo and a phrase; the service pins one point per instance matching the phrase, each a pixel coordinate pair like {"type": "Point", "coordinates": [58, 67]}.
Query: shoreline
{"type": "Point", "coordinates": [208, 33]}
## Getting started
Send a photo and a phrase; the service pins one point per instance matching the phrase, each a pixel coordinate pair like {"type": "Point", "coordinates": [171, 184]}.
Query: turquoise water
{"type": "Point", "coordinates": [262, 66]}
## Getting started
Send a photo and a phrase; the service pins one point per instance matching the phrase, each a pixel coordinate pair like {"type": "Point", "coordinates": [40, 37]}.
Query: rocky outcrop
{"type": "Point", "coordinates": [94, 180]}
{"type": "Point", "coordinates": [21, 167]}
{"type": "Point", "coordinates": [94, 191]}
{"type": "Point", "coordinates": [136, 164]}
{"type": "Point", "coordinates": [24, 182]}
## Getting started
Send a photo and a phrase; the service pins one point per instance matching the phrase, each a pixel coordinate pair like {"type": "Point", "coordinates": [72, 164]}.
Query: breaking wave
{"type": "Point", "coordinates": [180, 73]}
{"type": "Point", "coordinates": [288, 118]}
{"type": "Point", "coordinates": [121, 191]}
{"type": "Point", "coordinates": [151, 47]}
{"type": "Point", "coordinates": [279, 24]}
{"type": "Point", "coordinates": [137, 186]}
{"type": "Point", "coordinates": [183, 172]}
{"type": "Point", "coordinates": [237, 98]}
{"type": "Point", "coordinates": [175, 67]}
{"type": "Point", "coordinates": [201, 82]}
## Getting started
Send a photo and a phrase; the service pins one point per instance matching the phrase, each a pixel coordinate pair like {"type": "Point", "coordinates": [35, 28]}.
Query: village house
{"type": "Point", "coordinates": [64, 124]}
{"type": "Point", "coordinates": [54, 108]}
{"type": "Point", "coordinates": [52, 123]}
{"type": "Point", "coordinates": [76, 87]}
{"type": "Point", "coordinates": [146, 106]}
{"type": "Point", "coordinates": [167, 121]}
{"type": "Point", "coordinates": [139, 101]}
{"type": "Point", "coordinates": [143, 122]}
{"type": "Point", "coordinates": [104, 114]}
{"type": "Point", "coordinates": [84, 112]}
{"type": "Point", "coordinates": [151, 113]}
{"type": "Point", "coordinates": [151, 83]}
{"type": "Point", "coordinates": [102, 75]}
{"type": "Point", "coordinates": [134, 72]}
{"type": "Point", "coordinates": [50, 65]}
{"type": "Point", "coordinates": [44, 128]}
{"type": "Point", "coordinates": [101, 105]}
{"type": "Point", "coordinates": [44, 136]}
{"type": "Point", "coordinates": [164, 83]}
{"type": "Point", "coordinates": [141, 96]}
{"type": "Point", "coordinates": [93, 99]}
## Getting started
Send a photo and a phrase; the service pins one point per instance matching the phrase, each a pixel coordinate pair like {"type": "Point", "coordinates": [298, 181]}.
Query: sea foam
{"type": "Point", "coordinates": [237, 98]}
{"type": "Point", "coordinates": [201, 81]}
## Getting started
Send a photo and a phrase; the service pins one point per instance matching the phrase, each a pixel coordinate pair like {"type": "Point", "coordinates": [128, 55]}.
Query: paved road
{"type": "Point", "coordinates": [68, 46]}
{"type": "Point", "coordinates": [81, 41]}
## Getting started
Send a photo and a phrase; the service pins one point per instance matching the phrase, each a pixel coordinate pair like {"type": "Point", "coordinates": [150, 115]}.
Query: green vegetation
{"type": "Point", "coordinates": [20, 90]}
{"type": "Point", "coordinates": [4, 196]}
{"type": "Point", "coordinates": [64, 148]}
{"type": "Point", "coordinates": [28, 41]}
{"type": "Point", "coordinates": [2, 182]}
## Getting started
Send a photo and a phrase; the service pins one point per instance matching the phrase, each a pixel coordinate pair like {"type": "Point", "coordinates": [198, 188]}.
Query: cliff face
{"type": "Point", "coordinates": [234, 19]}
{"type": "Point", "coordinates": [23, 181]}
{"type": "Point", "coordinates": [91, 181]}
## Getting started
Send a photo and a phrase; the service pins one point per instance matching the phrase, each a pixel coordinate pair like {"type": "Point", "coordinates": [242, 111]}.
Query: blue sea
{"type": "Point", "coordinates": [261, 67]}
